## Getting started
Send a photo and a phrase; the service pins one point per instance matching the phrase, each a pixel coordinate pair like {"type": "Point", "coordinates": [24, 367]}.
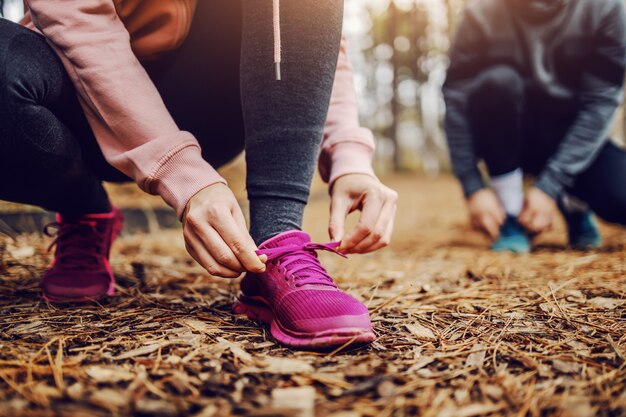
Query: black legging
{"type": "Point", "coordinates": [219, 85]}
{"type": "Point", "coordinates": [509, 132]}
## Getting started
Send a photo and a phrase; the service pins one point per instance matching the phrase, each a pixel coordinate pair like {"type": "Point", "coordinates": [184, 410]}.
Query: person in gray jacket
{"type": "Point", "coordinates": [532, 88]}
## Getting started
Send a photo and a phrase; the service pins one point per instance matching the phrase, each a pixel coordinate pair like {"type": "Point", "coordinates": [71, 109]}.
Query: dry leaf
{"type": "Point", "coordinates": [75, 391]}
{"type": "Point", "coordinates": [603, 303]}
{"type": "Point", "coordinates": [477, 356]}
{"type": "Point", "coordinates": [22, 252]}
{"type": "Point", "coordinates": [109, 399]}
{"type": "Point", "coordinates": [286, 366]}
{"type": "Point", "coordinates": [300, 401]}
{"type": "Point", "coordinates": [566, 367]}
{"type": "Point", "coordinates": [472, 410]}
{"type": "Point", "coordinates": [144, 350]}
{"type": "Point", "coordinates": [109, 374]}
{"type": "Point", "coordinates": [34, 325]}
{"type": "Point", "coordinates": [201, 326]}
{"type": "Point", "coordinates": [385, 389]}
{"type": "Point", "coordinates": [421, 362]}
{"type": "Point", "coordinates": [575, 296]}
{"type": "Point", "coordinates": [279, 366]}
{"type": "Point", "coordinates": [420, 332]}
{"type": "Point", "coordinates": [155, 408]}
{"type": "Point", "coordinates": [494, 392]}
{"type": "Point", "coordinates": [237, 351]}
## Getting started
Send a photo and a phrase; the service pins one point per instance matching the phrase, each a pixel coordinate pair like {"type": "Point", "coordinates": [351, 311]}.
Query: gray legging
{"type": "Point", "coordinates": [220, 85]}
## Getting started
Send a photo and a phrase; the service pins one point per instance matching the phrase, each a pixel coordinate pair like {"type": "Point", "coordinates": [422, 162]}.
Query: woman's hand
{"type": "Point", "coordinates": [216, 234]}
{"type": "Point", "coordinates": [485, 212]}
{"type": "Point", "coordinates": [539, 211]}
{"type": "Point", "coordinates": [377, 204]}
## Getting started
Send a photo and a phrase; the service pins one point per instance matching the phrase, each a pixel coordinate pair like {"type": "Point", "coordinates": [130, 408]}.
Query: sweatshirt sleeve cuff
{"type": "Point", "coordinates": [182, 174]}
{"type": "Point", "coordinates": [471, 182]}
{"type": "Point", "coordinates": [348, 158]}
{"type": "Point", "coordinates": [549, 185]}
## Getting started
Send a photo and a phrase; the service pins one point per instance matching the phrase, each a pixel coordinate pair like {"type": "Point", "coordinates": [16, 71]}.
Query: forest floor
{"type": "Point", "coordinates": [461, 331]}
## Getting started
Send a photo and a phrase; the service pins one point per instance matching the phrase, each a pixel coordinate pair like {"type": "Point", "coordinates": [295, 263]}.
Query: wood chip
{"type": "Point", "coordinates": [111, 374]}
{"type": "Point", "coordinates": [420, 332]}
{"type": "Point", "coordinates": [566, 367]}
{"type": "Point", "coordinates": [477, 356]}
{"type": "Point", "coordinates": [299, 402]}
{"type": "Point", "coordinates": [604, 303]}
{"type": "Point", "coordinates": [201, 326]}
{"type": "Point", "coordinates": [144, 350]}
{"type": "Point", "coordinates": [109, 399]}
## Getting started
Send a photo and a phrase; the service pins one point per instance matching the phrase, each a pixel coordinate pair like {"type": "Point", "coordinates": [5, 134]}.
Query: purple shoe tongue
{"type": "Point", "coordinates": [294, 237]}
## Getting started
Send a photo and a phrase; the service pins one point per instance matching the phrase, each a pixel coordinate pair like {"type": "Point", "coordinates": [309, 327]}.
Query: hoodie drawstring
{"type": "Point", "coordinates": [277, 39]}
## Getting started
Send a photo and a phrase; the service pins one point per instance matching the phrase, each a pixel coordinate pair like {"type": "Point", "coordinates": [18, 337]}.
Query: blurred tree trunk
{"type": "Point", "coordinates": [395, 105]}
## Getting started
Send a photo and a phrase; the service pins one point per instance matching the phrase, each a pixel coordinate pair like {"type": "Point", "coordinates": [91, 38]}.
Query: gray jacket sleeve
{"type": "Point", "coordinates": [466, 62]}
{"type": "Point", "coordinates": [600, 95]}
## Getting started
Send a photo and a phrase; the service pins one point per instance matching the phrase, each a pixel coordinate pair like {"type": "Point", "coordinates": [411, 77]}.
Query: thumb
{"type": "Point", "coordinates": [339, 209]}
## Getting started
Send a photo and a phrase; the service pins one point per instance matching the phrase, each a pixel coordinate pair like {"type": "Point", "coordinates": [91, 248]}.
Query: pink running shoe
{"type": "Point", "coordinates": [298, 298]}
{"type": "Point", "coordinates": [80, 270]}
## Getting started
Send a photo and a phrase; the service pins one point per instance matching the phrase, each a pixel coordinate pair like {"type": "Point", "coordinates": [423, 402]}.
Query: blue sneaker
{"type": "Point", "coordinates": [582, 230]}
{"type": "Point", "coordinates": [513, 237]}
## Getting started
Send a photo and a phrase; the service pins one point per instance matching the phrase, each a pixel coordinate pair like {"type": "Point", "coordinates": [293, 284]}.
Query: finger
{"type": "Point", "coordinates": [372, 207]}
{"type": "Point", "coordinates": [212, 243]}
{"type": "Point", "coordinates": [378, 232]}
{"type": "Point", "coordinates": [386, 238]}
{"type": "Point", "coordinates": [538, 223]}
{"type": "Point", "coordinates": [490, 226]}
{"type": "Point", "coordinates": [500, 215]}
{"type": "Point", "coordinates": [242, 247]}
{"type": "Point", "coordinates": [339, 210]}
{"type": "Point", "coordinates": [542, 223]}
{"type": "Point", "coordinates": [241, 222]}
{"type": "Point", "coordinates": [525, 216]}
{"type": "Point", "coordinates": [218, 249]}
{"type": "Point", "coordinates": [476, 223]}
{"type": "Point", "coordinates": [198, 252]}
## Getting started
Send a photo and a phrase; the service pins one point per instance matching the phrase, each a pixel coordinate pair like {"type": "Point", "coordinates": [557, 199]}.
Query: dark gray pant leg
{"type": "Point", "coordinates": [284, 120]}
{"type": "Point", "coordinates": [603, 185]}
{"type": "Point", "coordinates": [495, 110]}
{"type": "Point", "coordinates": [41, 161]}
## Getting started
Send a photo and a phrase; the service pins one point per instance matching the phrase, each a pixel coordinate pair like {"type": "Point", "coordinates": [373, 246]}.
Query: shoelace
{"type": "Point", "coordinates": [277, 37]}
{"type": "Point", "coordinates": [301, 262]}
{"type": "Point", "coordinates": [80, 243]}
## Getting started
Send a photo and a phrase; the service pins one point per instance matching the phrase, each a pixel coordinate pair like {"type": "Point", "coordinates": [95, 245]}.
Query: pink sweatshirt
{"type": "Point", "coordinates": [133, 128]}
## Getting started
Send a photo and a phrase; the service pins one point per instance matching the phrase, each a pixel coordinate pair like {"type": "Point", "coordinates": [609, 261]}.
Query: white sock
{"type": "Point", "coordinates": [572, 204]}
{"type": "Point", "coordinates": [510, 190]}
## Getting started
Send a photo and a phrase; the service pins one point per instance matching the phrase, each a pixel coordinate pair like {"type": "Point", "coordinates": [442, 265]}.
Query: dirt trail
{"type": "Point", "coordinates": [461, 331]}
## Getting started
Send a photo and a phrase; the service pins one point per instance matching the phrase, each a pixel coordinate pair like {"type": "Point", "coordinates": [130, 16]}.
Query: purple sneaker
{"type": "Point", "coordinates": [80, 270]}
{"type": "Point", "coordinates": [298, 298]}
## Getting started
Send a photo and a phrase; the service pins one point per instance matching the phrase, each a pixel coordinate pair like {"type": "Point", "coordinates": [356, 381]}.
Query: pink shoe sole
{"type": "Point", "coordinates": [257, 309]}
{"type": "Point", "coordinates": [52, 299]}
